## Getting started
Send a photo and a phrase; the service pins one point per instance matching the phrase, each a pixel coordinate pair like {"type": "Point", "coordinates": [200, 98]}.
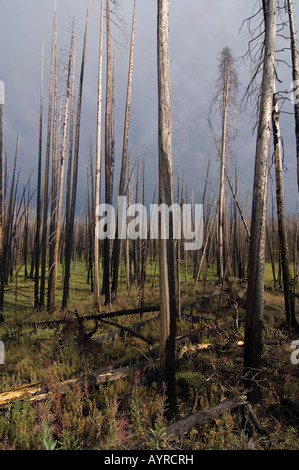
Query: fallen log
{"type": "Point", "coordinates": [37, 392]}
{"type": "Point", "coordinates": [117, 313]}
{"type": "Point", "coordinates": [125, 368]}
{"type": "Point", "coordinates": [150, 369]}
{"type": "Point", "coordinates": [131, 331]}
{"type": "Point", "coordinates": [99, 316]}
{"type": "Point", "coordinates": [204, 416]}
{"type": "Point", "coordinates": [156, 308]}
{"type": "Point", "coordinates": [119, 331]}
{"type": "Point", "coordinates": [20, 393]}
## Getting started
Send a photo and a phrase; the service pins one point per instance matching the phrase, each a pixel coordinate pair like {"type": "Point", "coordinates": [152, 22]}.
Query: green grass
{"type": "Point", "coordinates": [19, 294]}
{"type": "Point", "coordinates": [125, 414]}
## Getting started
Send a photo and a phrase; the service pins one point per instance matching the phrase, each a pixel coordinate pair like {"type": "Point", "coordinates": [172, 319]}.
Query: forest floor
{"type": "Point", "coordinates": [91, 384]}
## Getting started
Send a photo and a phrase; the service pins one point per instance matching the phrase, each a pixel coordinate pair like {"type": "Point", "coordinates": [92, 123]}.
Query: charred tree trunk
{"type": "Point", "coordinates": [106, 290]}
{"type": "Point", "coordinates": [53, 205]}
{"type": "Point", "coordinates": [221, 234]}
{"type": "Point", "coordinates": [122, 182]}
{"type": "Point", "coordinates": [38, 194]}
{"type": "Point", "coordinates": [166, 251]}
{"type": "Point", "coordinates": [70, 227]}
{"type": "Point", "coordinates": [282, 227]}
{"type": "Point", "coordinates": [70, 153]}
{"type": "Point", "coordinates": [1, 208]}
{"type": "Point", "coordinates": [46, 178]}
{"type": "Point", "coordinates": [256, 264]}
{"type": "Point", "coordinates": [53, 272]}
{"type": "Point", "coordinates": [295, 70]}
{"type": "Point", "coordinates": [6, 239]}
{"type": "Point", "coordinates": [98, 162]}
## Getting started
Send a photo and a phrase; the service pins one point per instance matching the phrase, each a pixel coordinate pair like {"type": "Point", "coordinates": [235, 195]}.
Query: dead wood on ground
{"type": "Point", "coordinates": [203, 416]}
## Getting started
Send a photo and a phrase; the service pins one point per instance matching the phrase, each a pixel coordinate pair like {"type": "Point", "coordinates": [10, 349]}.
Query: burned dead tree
{"type": "Point", "coordinates": [123, 172]}
{"type": "Point", "coordinates": [166, 248]}
{"type": "Point", "coordinates": [256, 261]}
{"type": "Point", "coordinates": [71, 220]}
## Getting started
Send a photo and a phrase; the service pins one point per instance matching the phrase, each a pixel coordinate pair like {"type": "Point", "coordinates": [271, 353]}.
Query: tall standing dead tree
{"type": "Point", "coordinates": [46, 175]}
{"type": "Point", "coordinates": [282, 225]}
{"type": "Point", "coordinates": [256, 261]}
{"type": "Point", "coordinates": [69, 229]}
{"type": "Point", "coordinates": [54, 170]}
{"type": "Point", "coordinates": [295, 71]}
{"type": "Point", "coordinates": [38, 193]}
{"type": "Point", "coordinates": [166, 249]}
{"type": "Point", "coordinates": [106, 290]}
{"type": "Point", "coordinates": [53, 271]}
{"type": "Point", "coordinates": [123, 171]}
{"type": "Point", "coordinates": [98, 161]}
{"type": "Point", "coordinates": [2, 100]}
{"type": "Point", "coordinates": [225, 101]}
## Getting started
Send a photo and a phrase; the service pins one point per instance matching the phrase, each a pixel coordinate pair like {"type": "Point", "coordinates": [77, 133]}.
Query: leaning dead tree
{"type": "Point", "coordinates": [166, 249]}
{"type": "Point", "coordinates": [256, 261]}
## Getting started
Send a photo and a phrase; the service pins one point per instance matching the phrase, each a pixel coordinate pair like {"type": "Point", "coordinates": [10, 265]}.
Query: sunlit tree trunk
{"type": "Point", "coordinates": [282, 226]}
{"type": "Point", "coordinates": [55, 151]}
{"type": "Point", "coordinates": [6, 236]}
{"type": "Point", "coordinates": [98, 161]}
{"type": "Point", "coordinates": [2, 98]}
{"type": "Point", "coordinates": [166, 253]}
{"type": "Point", "coordinates": [70, 227]}
{"type": "Point", "coordinates": [53, 272]}
{"type": "Point", "coordinates": [225, 102]}
{"type": "Point", "coordinates": [295, 71]}
{"type": "Point", "coordinates": [46, 177]}
{"type": "Point", "coordinates": [222, 187]}
{"type": "Point", "coordinates": [121, 190]}
{"type": "Point", "coordinates": [256, 261]}
{"type": "Point", "coordinates": [70, 156]}
{"type": "Point", "coordinates": [38, 193]}
{"type": "Point", "coordinates": [108, 184]}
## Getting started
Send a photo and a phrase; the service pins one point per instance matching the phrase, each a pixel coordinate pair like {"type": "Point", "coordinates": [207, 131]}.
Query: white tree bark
{"type": "Point", "coordinates": [98, 161]}
{"type": "Point", "coordinates": [53, 272]}
{"type": "Point", "coordinates": [295, 71]}
{"type": "Point", "coordinates": [122, 181]}
{"type": "Point", "coordinates": [256, 264]}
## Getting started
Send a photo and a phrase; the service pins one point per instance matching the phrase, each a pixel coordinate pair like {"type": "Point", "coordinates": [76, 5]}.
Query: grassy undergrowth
{"type": "Point", "coordinates": [126, 414]}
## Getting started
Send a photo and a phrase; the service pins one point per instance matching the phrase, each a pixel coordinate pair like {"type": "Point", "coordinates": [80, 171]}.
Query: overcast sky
{"type": "Point", "coordinates": [198, 31]}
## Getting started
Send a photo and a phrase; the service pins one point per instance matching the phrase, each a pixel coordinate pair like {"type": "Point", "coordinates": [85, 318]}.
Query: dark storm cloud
{"type": "Point", "coordinates": [198, 32]}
